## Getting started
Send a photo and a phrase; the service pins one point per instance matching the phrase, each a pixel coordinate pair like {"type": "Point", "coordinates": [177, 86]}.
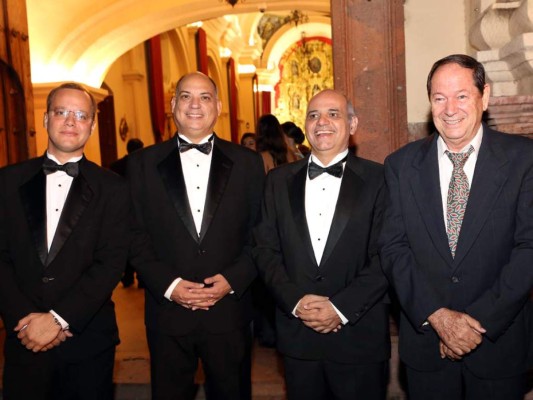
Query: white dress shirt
{"type": "Point", "coordinates": [321, 195]}
{"type": "Point", "coordinates": [57, 187]}
{"type": "Point", "coordinates": [195, 166]}
{"type": "Point", "coordinates": [446, 166]}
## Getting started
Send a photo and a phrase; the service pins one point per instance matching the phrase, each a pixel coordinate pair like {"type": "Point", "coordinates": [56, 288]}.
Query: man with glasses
{"type": "Point", "coordinates": [63, 246]}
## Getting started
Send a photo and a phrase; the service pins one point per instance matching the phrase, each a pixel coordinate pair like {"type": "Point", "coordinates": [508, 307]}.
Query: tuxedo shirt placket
{"type": "Point", "coordinates": [196, 167]}
{"type": "Point", "coordinates": [57, 187]}
{"type": "Point", "coordinates": [321, 195]}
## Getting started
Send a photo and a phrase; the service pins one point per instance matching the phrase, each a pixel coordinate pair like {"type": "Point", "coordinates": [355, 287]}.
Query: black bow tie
{"type": "Point", "coordinates": [334, 170]}
{"type": "Point", "coordinates": [204, 147]}
{"type": "Point", "coordinates": [71, 168]}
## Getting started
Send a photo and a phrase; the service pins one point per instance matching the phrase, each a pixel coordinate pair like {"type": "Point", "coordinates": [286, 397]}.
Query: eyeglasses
{"type": "Point", "coordinates": [80, 116]}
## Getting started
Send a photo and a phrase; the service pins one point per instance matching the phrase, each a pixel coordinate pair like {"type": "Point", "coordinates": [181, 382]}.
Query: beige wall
{"type": "Point", "coordinates": [433, 29]}
{"type": "Point", "coordinates": [127, 80]}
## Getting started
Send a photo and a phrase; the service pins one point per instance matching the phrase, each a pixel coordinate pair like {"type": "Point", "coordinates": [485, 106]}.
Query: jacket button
{"type": "Point", "coordinates": [45, 279]}
{"type": "Point", "coordinates": [201, 252]}
{"type": "Point", "coordinates": [455, 279]}
{"type": "Point", "coordinates": [319, 278]}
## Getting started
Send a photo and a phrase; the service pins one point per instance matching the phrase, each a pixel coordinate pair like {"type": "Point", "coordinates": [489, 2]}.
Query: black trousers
{"type": "Point", "coordinates": [225, 360]}
{"type": "Point", "coordinates": [456, 382]}
{"type": "Point", "coordinates": [48, 377]}
{"type": "Point", "coordinates": [326, 380]}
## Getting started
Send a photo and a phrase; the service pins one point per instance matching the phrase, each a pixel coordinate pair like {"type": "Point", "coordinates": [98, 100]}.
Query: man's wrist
{"type": "Point", "coordinates": [59, 321]}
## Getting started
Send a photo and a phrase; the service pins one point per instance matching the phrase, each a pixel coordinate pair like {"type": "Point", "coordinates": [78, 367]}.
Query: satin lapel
{"type": "Point", "coordinates": [33, 198]}
{"type": "Point", "coordinates": [425, 184]}
{"type": "Point", "coordinates": [172, 176]}
{"type": "Point", "coordinates": [351, 187]}
{"type": "Point", "coordinates": [490, 174]}
{"type": "Point", "coordinates": [219, 175]}
{"type": "Point", "coordinates": [296, 190]}
{"type": "Point", "coordinates": [79, 197]}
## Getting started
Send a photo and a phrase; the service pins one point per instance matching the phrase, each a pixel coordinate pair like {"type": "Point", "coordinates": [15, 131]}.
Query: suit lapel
{"type": "Point", "coordinates": [171, 174]}
{"type": "Point", "coordinates": [296, 191]}
{"type": "Point", "coordinates": [219, 174]}
{"type": "Point", "coordinates": [78, 198]}
{"type": "Point", "coordinates": [425, 184]}
{"type": "Point", "coordinates": [33, 199]}
{"type": "Point", "coordinates": [351, 187]}
{"type": "Point", "coordinates": [490, 174]}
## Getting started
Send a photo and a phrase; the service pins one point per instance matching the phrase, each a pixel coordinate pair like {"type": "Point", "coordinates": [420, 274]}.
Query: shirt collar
{"type": "Point", "coordinates": [475, 143]}
{"type": "Point", "coordinates": [204, 140]}
{"type": "Point", "coordinates": [336, 159]}
{"type": "Point", "coordinates": [53, 158]}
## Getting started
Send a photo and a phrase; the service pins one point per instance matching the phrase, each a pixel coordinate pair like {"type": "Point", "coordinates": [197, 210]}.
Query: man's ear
{"type": "Point", "coordinates": [353, 125]}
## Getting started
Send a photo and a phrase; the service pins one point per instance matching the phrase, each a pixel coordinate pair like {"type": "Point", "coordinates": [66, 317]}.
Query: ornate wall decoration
{"type": "Point", "coordinates": [306, 68]}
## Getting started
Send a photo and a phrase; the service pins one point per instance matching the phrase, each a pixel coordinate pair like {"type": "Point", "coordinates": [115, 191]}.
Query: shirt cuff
{"type": "Point", "coordinates": [62, 322]}
{"type": "Point", "coordinates": [171, 288]}
{"type": "Point", "coordinates": [294, 309]}
{"type": "Point", "coordinates": [344, 320]}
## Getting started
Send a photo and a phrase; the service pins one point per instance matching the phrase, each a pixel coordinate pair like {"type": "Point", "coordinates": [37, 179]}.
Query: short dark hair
{"type": "Point", "coordinates": [70, 85]}
{"type": "Point", "coordinates": [246, 136]}
{"type": "Point", "coordinates": [478, 71]}
{"type": "Point", "coordinates": [134, 144]}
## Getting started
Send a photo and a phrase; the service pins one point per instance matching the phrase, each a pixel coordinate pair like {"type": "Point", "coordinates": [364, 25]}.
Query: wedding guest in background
{"type": "Point", "coordinates": [248, 140]}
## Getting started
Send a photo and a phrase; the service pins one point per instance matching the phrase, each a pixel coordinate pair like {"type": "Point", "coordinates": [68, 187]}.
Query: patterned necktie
{"type": "Point", "coordinates": [334, 170]}
{"type": "Point", "coordinates": [204, 147]}
{"type": "Point", "coordinates": [50, 166]}
{"type": "Point", "coordinates": [457, 197]}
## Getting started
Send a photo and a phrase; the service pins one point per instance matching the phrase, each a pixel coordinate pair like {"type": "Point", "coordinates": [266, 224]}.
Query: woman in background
{"type": "Point", "coordinates": [294, 138]}
{"type": "Point", "coordinates": [270, 142]}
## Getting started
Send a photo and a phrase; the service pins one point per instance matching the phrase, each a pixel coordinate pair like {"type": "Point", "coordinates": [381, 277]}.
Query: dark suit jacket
{"type": "Point", "coordinates": [349, 272]}
{"type": "Point", "coordinates": [85, 262]}
{"type": "Point", "coordinates": [491, 275]}
{"type": "Point", "coordinates": [167, 246]}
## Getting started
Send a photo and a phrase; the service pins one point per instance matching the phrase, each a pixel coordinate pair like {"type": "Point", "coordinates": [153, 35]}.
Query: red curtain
{"type": "Point", "coordinates": [265, 103]}
{"type": "Point", "coordinates": [233, 101]}
{"type": "Point", "coordinates": [201, 51]}
{"type": "Point", "coordinates": [155, 87]}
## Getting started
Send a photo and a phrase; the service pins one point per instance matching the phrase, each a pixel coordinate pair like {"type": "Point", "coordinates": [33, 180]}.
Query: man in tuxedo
{"type": "Point", "coordinates": [64, 239]}
{"type": "Point", "coordinates": [457, 243]}
{"type": "Point", "coordinates": [316, 250]}
{"type": "Point", "coordinates": [196, 199]}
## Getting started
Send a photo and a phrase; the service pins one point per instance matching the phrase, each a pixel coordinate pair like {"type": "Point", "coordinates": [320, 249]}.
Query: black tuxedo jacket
{"type": "Point", "coordinates": [85, 262]}
{"type": "Point", "coordinates": [492, 273]}
{"type": "Point", "coordinates": [349, 272]}
{"type": "Point", "coordinates": [167, 246]}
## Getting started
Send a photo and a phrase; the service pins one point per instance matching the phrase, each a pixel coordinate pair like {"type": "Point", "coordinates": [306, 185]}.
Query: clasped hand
{"type": "Point", "coordinates": [201, 296]}
{"type": "Point", "coordinates": [459, 333]}
{"type": "Point", "coordinates": [317, 313]}
{"type": "Point", "coordinates": [39, 332]}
